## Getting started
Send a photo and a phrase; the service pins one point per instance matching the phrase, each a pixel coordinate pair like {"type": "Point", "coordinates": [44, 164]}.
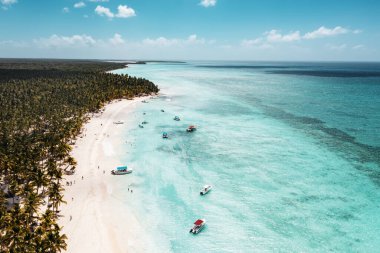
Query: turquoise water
{"type": "Point", "coordinates": [291, 149]}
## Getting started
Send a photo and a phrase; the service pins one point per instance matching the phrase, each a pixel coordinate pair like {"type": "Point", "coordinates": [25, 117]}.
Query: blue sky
{"type": "Point", "coordinates": [289, 30]}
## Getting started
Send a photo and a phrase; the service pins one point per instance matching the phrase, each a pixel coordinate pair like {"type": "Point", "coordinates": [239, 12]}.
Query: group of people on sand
{"type": "Point", "coordinates": [70, 183]}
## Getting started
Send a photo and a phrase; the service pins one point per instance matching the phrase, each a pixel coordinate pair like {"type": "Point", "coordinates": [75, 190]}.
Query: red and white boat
{"type": "Point", "coordinates": [191, 129]}
{"type": "Point", "coordinates": [198, 226]}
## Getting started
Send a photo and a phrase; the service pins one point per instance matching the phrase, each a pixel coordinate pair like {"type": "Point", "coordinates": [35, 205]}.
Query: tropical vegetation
{"type": "Point", "coordinates": [43, 106]}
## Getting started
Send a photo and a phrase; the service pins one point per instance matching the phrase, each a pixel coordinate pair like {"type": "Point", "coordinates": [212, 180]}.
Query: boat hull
{"type": "Point", "coordinates": [205, 191]}
{"type": "Point", "coordinates": [197, 230]}
{"type": "Point", "coordinates": [120, 172]}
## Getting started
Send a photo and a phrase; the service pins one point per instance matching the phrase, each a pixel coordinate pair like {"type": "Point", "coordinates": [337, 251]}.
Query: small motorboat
{"type": "Point", "coordinates": [162, 110]}
{"type": "Point", "coordinates": [165, 135]}
{"type": "Point", "coordinates": [121, 171]}
{"type": "Point", "coordinates": [198, 226]}
{"type": "Point", "coordinates": [191, 129]}
{"type": "Point", "coordinates": [141, 126]}
{"type": "Point", "coordinates": [144, 101]}
{"type": "Point", "coordinates": [144, 122]}
{"type": "Point", "coordinates": [118, 122]}
{"type": "Point", "coordinates": [205, 189]}
{"type": "Point", "coordinates": [176, 118]}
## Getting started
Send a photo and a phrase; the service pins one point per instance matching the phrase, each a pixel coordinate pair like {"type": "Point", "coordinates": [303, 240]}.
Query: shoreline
{"type": "Point", "coordinates": [95, 218]}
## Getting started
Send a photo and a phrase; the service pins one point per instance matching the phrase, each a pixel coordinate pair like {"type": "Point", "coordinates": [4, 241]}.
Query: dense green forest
{"type": "Point", "coordinates": [43, 105]}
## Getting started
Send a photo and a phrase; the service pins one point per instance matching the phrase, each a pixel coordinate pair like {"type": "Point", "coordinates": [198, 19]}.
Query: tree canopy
{"type": "Point", "coordinates": [43, 106]}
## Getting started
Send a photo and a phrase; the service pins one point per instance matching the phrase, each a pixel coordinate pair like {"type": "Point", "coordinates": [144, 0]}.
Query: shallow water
{"type": "Point", "coordinates": [294, 159]}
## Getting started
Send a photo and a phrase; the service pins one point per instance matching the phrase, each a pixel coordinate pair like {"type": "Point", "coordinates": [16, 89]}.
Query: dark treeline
{"type": "Point", "coordinates": [43, 105]}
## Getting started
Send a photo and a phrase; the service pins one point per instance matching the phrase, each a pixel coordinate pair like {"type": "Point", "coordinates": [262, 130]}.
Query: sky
{"type": "Point", "coordinates": [255, 30]}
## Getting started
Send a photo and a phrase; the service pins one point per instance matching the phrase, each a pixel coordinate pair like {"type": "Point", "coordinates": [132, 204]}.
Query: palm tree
{"type": "Point", "coordinates": [43, 106]}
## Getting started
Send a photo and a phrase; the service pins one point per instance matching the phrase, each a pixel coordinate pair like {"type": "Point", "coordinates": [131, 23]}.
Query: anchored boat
{"type": "Point", "coordinates": [176, 118]}
{"type": "Point", "coordinates": [191, 129]}
{"type": "Point", "coordinates": [118, 122]}
{"type": "Point", "coordinates": [198, 226]}
{"type": "Point", "coordinates": [121, 171]}
{"type": "Point", "coordinates": [165, 135]}
{"type": "Point", "coordinates": [206, 189]}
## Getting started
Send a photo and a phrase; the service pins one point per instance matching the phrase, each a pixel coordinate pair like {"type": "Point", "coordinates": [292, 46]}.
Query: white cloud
{"type": "Point", "coordinates": [322, 32]}
{"type": "Point", "coordinates": [125, 12]}
{"type": "Point", "coordinates": [8, 2]}
{"type": "Point", "coordinates": [254, 42]}
{"type": "Point", "coordinates": [16, 44]}
{"type": "Point", "coordinates": [56, 41]}
{"type": "Point", "coordinates": [103, 11]}
{"type": "Point", "coordinates": [275, 36]}
{"type": "Point", "coordinates": [116, 40]}
{"type": "Point", "coordinates": [193, 39]}
{"type": "Point", "coordinates": [358, 47]}
{"type": "Point", "coordinates": [79, 5]}
{"type": "Point", "coordinates": [340, 47]}
{"type": "Point", "coordinates": [65, 10]}
{"type": "Point", "coordinates": [161, 41]}
{"type": "Point", "coordinates": [208, 3]}
{"type": "Point", "coordinates": [78, 42]}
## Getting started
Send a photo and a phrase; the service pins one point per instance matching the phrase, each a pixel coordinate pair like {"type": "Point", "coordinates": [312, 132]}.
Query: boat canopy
{"type": "Point", "coordinates": [198, 222]}
{"type": "Point", "coordinates": [191, 126]}
{"type": "Point", "coordinates": [122, 168]}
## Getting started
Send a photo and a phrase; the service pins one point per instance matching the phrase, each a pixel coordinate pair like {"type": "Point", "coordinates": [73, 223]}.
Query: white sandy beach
{"type": "Point", "coordinates": [95, 218]}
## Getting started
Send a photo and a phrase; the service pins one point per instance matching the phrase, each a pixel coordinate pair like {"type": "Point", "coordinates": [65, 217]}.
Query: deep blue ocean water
{"type": "Point", "coordinates": [291, 149]}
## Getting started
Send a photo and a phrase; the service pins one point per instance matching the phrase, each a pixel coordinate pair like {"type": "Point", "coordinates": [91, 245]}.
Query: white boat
{"type": "Point", "coordinates": [205, 189]}
{"type": "Point", "coordinates": [121, 171]}
{"type": "Point", "coordinates": [118, 122]}
{"type": "Point", "coordinates": [198, 226]}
